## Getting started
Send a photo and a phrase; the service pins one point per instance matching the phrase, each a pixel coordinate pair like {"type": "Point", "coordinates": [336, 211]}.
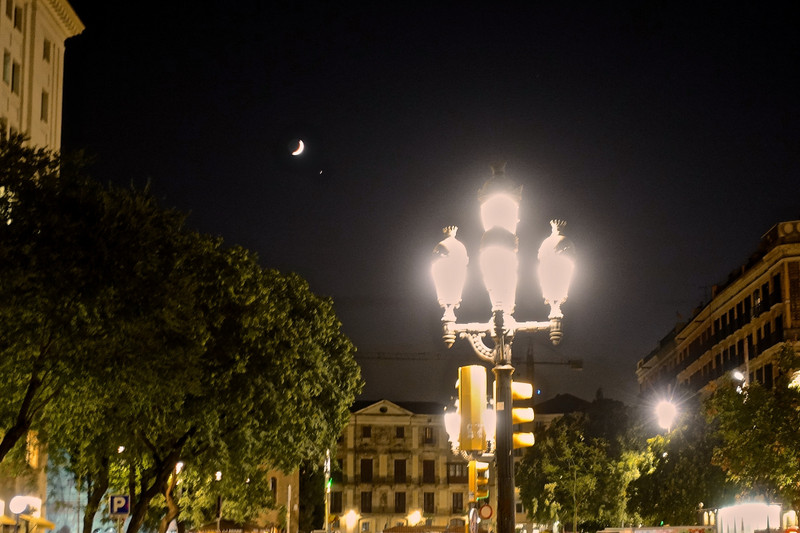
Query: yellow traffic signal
{"type": "Point", "coordinates": [478, 480]}
{"type": "Point", "coordinates": [522, 415]}
{"type": "Point", "coordinates": [471, 407]}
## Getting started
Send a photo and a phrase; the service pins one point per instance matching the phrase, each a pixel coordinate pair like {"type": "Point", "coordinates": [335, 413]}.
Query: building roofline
{"type": "Point", "coordinates": [66, 17]}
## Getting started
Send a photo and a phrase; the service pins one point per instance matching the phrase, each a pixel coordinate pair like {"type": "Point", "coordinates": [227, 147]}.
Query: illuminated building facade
{"type": "Point", "coordinates": [395, 469]}
{"type": "Point", "coordinates": [742, 327]}
{"type": "Point", "coordinates": [32, 35]}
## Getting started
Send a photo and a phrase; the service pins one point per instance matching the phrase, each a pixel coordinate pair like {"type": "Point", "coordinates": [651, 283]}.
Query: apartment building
{"type": "Point", "coordinates": [395, 469]}
{"type": "Point", "coordinates": [743, 326]}
{"type": "Point", "coordinates": [32, 35]}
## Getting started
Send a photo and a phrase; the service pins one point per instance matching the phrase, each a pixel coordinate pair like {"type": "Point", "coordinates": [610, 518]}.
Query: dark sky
{"type": "Point", "coordinates": [667, 134]}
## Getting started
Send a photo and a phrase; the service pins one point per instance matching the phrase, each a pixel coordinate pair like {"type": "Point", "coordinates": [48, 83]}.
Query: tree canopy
{"type": "Point", "coordinates": [757, 430]}
{"type": "Point", "coordinates": [580, 468]}
{"type": "Point", "coordinates": [677, 474]}
{"type": "Point", "coordinates": [132, 343]}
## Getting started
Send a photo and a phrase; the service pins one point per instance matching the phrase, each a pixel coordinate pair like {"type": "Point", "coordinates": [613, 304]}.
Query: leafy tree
{"type": "Point", "coordinates": [580, 468]}
{"type": "Point", "coordinates": [121, 328]}
{"type": "Point", "coordinates": [48, 279]}
{"type": "Point", "coordinates": [757, 430]}
{"type": "Point", "coordinates": [677, 473]}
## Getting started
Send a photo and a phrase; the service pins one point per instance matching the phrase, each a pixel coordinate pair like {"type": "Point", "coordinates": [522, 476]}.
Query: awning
{"type": "Point", "coordinates": [228, 526]}
{"type": "Point", "coordinates": [35, 521]}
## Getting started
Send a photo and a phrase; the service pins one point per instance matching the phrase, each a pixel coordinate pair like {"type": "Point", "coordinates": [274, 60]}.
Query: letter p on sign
{"type": "Point", "coordinates": [119, 505]}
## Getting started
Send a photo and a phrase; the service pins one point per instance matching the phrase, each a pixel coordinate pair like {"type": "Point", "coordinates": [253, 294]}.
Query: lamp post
{"type": "Point", "coordinates": [499, 200]}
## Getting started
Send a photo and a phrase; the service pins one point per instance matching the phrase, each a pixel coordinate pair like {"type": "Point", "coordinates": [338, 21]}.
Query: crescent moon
{"type": "Point", "coordinates": [300, 147]}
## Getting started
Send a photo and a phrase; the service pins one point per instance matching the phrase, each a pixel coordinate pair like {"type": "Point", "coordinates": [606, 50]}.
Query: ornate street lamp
{"type": "Point", "coordinates": [499, 199]}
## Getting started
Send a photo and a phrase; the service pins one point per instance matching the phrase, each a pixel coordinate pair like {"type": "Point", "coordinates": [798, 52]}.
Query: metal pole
{"type": "Point", "coordinates": [504, 455]}
{"type": "Point", "coordinates": [327, 491]}
{"type": "Point", "coordinates": [505, 448]}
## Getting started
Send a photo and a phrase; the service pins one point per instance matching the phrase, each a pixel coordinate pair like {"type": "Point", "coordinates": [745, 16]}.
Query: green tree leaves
{"type": "Point", "coordinates": [120, 327]}
{"type": "Point", "coordinates": [580, 469]}
{"type": "Point", "coordinates": [758, 431]}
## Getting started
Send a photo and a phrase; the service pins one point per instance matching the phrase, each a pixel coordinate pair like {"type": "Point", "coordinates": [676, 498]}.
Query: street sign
{"type": "Point", "coordinates": [119, 505]}
{"type": "Point", "coordinates": [485, 511]}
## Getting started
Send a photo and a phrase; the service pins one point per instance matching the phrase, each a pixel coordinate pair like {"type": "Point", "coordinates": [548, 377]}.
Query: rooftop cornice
{"type": "Point", "coordinates": [66, 17]}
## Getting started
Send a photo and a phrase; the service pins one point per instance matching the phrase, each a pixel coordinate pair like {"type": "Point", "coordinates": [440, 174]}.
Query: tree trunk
{"type": "Point", "coordinates": [95, 491]}
{"type": "Point", "coordinates": [23, 422]}
{"type": "Point", "coordinates": [172, 507]}
{"type": "Point", "coordinates": [160, 474]}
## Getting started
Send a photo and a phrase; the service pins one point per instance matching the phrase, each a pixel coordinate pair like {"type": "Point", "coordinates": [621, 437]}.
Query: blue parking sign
{"type": "Point", "coordinates": [119, 505]}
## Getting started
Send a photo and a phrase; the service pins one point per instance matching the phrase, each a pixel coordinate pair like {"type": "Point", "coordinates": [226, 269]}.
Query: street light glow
{"type": "Point", "coordinates": [500, 210]}
{"type": "Point", "coordinates": [666, 412]}
{"type": "Point", "coordinates": [449, 270]}
{"type": "Point", "coordinates": [499, 269]}
{"type": "Point", "coordinates": [350, 519]}
{"type": "Point", "coordinates": [414, 518]}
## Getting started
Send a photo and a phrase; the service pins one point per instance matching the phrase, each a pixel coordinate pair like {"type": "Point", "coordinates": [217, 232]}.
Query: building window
{"type": "Point", "coordinates": [366, 501]}
{"type": "Point", "coordinates": [399, 432]}
{"type": "Point", "coordinates": [429, 471]}
{"type": "Point", "coordinates": [364, 526]}
{"type": "Point", "coordinates": [520, 508]}
{"type": "Point", "coordinates": [337, 472]}
{"type": "Point", "coordinates": [16, 76]}
{"type": "Point", "coordinates": [273, 485]}
{"type": "Point", "coordinates": [399, 502]}
{"type": "Point", "coordinates": [427, 437]}
{"type": "Point", "coordinates": [428, 503]}
{"type": "Point", "coordinates": [458, 502]}
{"type": "Point", "coordinates": [18, 18]}
{"type": "Point", "coordinates": [10, 9]}
{"type": "Point", "coordinates": [45, 106]}
{"type": "Point", "coordinates": [457, 472]}
{"type": "Point", "coordinates": [366, 432]}
{"type": "Point", "coordinates": [366, 470]}
{"type": "Point", "coordinates": [399, 470]}
{"type": "Point", "coordinates": [336, 502]}
{"type": "Point", "coordinates": [46, 50]}
{"type": "Point", "coordinates": [6, 67]}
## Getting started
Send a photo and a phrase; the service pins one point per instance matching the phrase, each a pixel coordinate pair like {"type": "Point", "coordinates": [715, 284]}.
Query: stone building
{"type": "Point", "coordinates": [742, 327]}
{"type": "Point", "coordinates": [32, 35]}
{"type": "Point", "coordinates": [395, 468]}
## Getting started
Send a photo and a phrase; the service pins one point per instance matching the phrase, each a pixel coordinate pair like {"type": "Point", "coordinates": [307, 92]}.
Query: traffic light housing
{"type": "Point", "coordinates": [472, 407]}
{"type": "Point", "coordinates": [521, 415]}
{"type": "Point", "coordinates": [478, 480]}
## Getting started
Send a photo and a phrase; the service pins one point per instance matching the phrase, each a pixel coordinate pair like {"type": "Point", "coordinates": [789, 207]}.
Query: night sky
{"type": "Point", "coordinates": [667, 134]}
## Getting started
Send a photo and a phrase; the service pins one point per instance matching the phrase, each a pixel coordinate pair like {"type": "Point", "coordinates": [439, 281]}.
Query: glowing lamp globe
{"type": "Point", "coordinates": [452, 425]}
{"type": "Point", "coordinates": [499, 198]}
{"type": "Point", "coordinates": [18, 504]}
{"type": "Point", "coordinates": [449, 270]}
{"type": "Point", "coordinates": [556, 267]}
{"type": "Point", "coordinates": [500, 210]}
{"type": "Point", "coordinates": [666, 412]}
{"type": "Point", "coordinates": [499, 266]}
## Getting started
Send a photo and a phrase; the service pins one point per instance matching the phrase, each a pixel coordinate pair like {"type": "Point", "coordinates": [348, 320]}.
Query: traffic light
{"type": "Point", "coordinates": [478, 480]}
{"type": "Point", "coordinates": [471, 407]}
{"type": "Point", "coordinates": [521, 415]}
